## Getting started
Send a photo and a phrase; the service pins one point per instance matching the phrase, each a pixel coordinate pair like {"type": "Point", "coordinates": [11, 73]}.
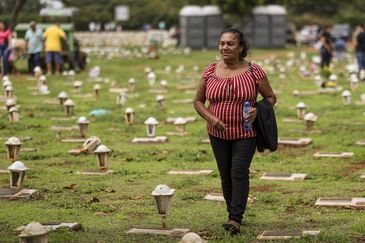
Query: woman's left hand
{"type": "Point", "coordinates": [251, 115]}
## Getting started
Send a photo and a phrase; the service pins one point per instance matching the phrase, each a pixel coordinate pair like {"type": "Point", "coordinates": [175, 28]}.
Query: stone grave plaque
{"type": "Point", "coordinates": [28, 150]}
{"type": "Point", "coordinates": [308, 131]}
{"type": "Point", "coordinates": [190, 172]}
{"type": "Point", "coordinates": [161, 231]}
{"type": "Point", "coordinates": [73, 140]}
{"type": "Point", "coordinates": [74, 151]}
{"type": "Point", "coordinates": [63, 118]}
{"type": "Point", "coordinates": [329, 90]}
{"type": "Point", "coordinates": [206, 141]}
{"type": "Point", "coordinates": [286, 234]}
{"type": "Point", "coordinates": [361, 142]}
{"type": "Point", "coordinates": [16, 194]}
{"type": "Point", "coordinates": [363, 176]}
{"type": "Point", "coordinates": [295, 141]}
{"type": "Point", "coordinates": [146, 140]}
{"type": "Point", "coordinates": [283, 176]}
{"type": "Point", "coordinates": [64, 129]}
{"type": "Point", "coordinates": [213, 196]}
{"type": "Point", "coordinates": [308, 92]}
{"type": "Point", "coordinates": [334, 155]}
{"type": "Point", "coordinates": [94, 172]}
{"type": "Point", "coordinates": [118, 90]}
{"type": "Point", "coordinates": [157, 91]}
{"type": "Point", "coordinates": [50, 226]}
{"type": "Point", "coordinates": [339, 202]}
{"type": "Point", "coordinates": [188, 119]}
{"type": "Point", "coordinates": [22, 139]}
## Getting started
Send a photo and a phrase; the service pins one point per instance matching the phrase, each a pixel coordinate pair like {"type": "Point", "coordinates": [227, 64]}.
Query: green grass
{"type": "Point", "coordinates": [125, 195]}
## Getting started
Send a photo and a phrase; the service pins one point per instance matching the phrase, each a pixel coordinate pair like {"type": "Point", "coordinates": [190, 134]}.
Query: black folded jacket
{"type": "Point", "coordinates": [266, 129]}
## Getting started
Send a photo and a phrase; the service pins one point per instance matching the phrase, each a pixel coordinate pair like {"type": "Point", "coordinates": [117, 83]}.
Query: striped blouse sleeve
{"type": "Point", "coordinates": [208, 71]}
{"type": "Point", "coordinates": [258, 72]}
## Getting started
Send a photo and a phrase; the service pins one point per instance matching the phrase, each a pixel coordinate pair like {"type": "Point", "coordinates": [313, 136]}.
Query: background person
{"type": "Point", "coordinates": [360, 51]}
{"type": "Point", "coordinates": [5, 41]}
{"type": "Point", "coordinates": [227, 85]}
{"type": "Point", "coordinates": [326, 49]}
{"type": "Point", "coordinates": [53, 46]}
{"type": "Point", "coordinates": [34, 45]}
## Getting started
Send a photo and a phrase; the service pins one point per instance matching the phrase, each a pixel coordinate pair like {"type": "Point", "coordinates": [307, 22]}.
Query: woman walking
{"type": "Point", "coordinates": [227, 85]}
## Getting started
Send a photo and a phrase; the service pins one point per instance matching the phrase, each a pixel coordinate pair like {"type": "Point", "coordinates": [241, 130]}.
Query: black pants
{"type": "Point", "coordinates": [326, 57]}
{"type": "Point", "coordinates": [233, 159]}
{"type": "Point", "coordinates": [33, 61]}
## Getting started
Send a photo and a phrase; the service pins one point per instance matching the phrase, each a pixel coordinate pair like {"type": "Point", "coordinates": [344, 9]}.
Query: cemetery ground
{"type": "Point", "coordinates": [109, 205]}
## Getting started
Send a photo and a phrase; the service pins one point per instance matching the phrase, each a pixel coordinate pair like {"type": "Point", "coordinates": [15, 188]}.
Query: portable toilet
{"type": "Point", "coordinates": [192, 24]}
{"type": "Point", "coordinates": [267, 26]}
{"type": "Point", "coordinates": [214, 25]}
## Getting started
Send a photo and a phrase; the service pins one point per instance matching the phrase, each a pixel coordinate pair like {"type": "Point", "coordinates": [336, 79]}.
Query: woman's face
{"type": "Point", "coordinates": [229, 47]}
{"type": "Point", "coordinates": [2, 26]}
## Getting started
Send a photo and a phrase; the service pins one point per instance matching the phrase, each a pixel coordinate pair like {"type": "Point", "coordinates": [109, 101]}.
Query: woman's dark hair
{"type": "Point", "coordinates": [241, 41]}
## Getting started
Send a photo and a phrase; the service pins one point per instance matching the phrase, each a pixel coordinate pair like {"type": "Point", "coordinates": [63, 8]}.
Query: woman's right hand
{"type": "Point", "coordinates": [218, 125]}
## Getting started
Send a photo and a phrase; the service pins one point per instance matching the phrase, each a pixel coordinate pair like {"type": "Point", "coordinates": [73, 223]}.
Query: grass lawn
{"type": "Point", "coordinates": [125, 195]}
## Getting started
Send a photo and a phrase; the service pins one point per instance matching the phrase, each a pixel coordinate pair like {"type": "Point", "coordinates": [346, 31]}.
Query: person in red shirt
{"type": "Point", "coordinates": [227, 85]}
{"type": "Point", "coordinates": [5, 41]}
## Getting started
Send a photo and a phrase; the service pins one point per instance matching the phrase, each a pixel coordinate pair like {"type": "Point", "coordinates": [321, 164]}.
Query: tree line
{"type": "Point", "coordinates": [300, 12]}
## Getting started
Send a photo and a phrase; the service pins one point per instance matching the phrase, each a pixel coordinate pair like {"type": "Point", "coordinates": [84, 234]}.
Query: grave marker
{"type": "Point", "coordinates": [286, 234]}
{"type": "Point", "coordinates": [219, 197]}
{"type": "Point", "coordinates": [283, 176]}
{"type": "Point", "coordinates": [14, 116]}
{"type": "Point", "coordinates": [73, 140]}
{"type": "Point", "coordinates": [295, 141]}
{"type": "Point", "coordinates": [340, 202]}
{"type": "Point", "coordinates": [57, 225]}
{"type": "Point", "coordinates": [180, 127]}
{"type": "Point", "coordinates": [334, 154]}
{"type": "Point", "coordinates": [64, 128]}
{"type": "Point", "coordinates": [190, 172]}
{"type": "Point", "coordinates": [69, 105]}
{"type": "Point", "coordinates": [34, 232]}
{"type": "Point", "coordinates": [163, 201]}
{"type": "Point", "coordinates": [62, 97]}
{"type": "Point", "coordinates": [346, 97]}
{"type": "Point", "coordinates": [129, 116]}
{"type": "Point", "coordinates": [13, 145]}
{"type": "Point", "coordinates": [83, 126]}
{"type": "Point", "coordinates": [301, 108]}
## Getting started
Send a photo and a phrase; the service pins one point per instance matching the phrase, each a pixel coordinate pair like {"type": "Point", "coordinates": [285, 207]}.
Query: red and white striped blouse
{"type": "Point", "coordinates": [226, 97]}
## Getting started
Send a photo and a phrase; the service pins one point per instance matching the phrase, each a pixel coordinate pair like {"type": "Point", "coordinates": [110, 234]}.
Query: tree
{"type": "Point", "coordinates": [15, 12]}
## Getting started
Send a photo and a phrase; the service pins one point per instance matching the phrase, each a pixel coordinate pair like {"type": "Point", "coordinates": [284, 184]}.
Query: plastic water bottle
{"type": "Point", "coordinates": [246, 109]}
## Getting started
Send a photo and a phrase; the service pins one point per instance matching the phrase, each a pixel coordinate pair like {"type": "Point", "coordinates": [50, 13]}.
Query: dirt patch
{"type": "Point", "coordinates": [359, 239]}
{"type": "Point", "coordinates": [286, 192]}
{"type": "Point", "coordinates": [264, 188]}
{"type": "Point", "coordinates": [291, 151]}
{"type": "Point", "coordinates": [290, 209]}
{"type": "Point", "coordinates": [349, 170]}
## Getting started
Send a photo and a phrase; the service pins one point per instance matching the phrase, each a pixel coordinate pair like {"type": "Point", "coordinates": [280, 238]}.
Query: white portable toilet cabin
{"type": "Point", "coordinates": [200, 26]}
{"type": "Point", "coordinates": [266, 27]}
{"type": "Point", "coordinates": [214, 25]}
{"type": "Point", "coordinates": [192, 24]}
